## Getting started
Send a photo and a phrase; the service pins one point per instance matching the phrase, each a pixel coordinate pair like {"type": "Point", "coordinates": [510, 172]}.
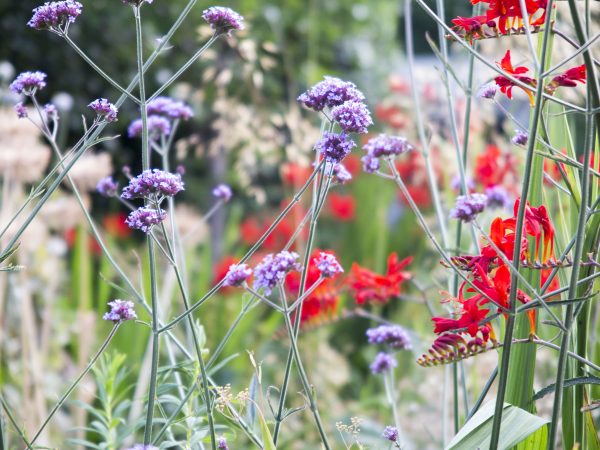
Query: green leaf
{"type": "Point", "coordinates": [266, 434]}
{"type": "Point", "coordinates": [568, 383]}
{"type": "Point", "coordinates": [535, 441]}
{"type": "Point", "coordinates": [475, 434]}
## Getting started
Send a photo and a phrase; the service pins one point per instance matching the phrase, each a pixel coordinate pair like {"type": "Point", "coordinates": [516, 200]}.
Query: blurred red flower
{"type": "Point", "coordinates": [115, 225]}
{"type": "Point", "coordinates": [341, 206]}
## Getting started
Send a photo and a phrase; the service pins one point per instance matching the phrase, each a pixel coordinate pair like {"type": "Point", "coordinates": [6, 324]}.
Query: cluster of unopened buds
{"type": "Point", "coordinates": [452, 347]}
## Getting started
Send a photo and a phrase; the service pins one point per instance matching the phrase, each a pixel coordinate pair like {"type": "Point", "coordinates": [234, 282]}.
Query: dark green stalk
{"type": "Point", "coordinates": [14, 423]}
{"type": "Point", "coordinates": [510, 326]}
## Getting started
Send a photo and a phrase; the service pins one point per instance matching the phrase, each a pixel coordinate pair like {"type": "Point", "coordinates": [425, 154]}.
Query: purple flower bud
{"type": "Point", "coordinates": [384, 145]}
{"type": "Point", "coordinates": [51, 111]}
{"type": "Point", "coordinates": [27, 83]}
{"type": "Point", "coordinates": [328, 265]}
{"type": "Point", "coordinates": [488, 91]}
{"type": "Point", "coordinates": [55, 16]}
{"type": "Point", "coordinates": [223, 20]}
{"type": "Point", "coordinates": [222, 192]}
{"type": "Point", "coordinates": [497, 197]}
{"type": "Point", "coordinates": [107, 187]}
{"type": "Point", "coordinates": [127, 171]}
{"type": "Point", "coordinates": [467, 207]}
{"type": "Point", "coordinates": [222, 444]}
{"type": "Point", "coordinates": [237, 275]}
{"type": "Point", "coordinates": [520, 138]}
{"type": "Point", "coordinates": [456, 183]}
{"type": "Point", "coordinates": [273, 269]}
{"type": "Point", "coordinates": [391, 433]}
{"type": "Point", "coordinates": [370, 164]}
{"type": "Point", "coordinates": [104, 109]}
{"type": "Point", "coordinates": [120, 310]}
{"type": "Point", "coordinates": [151, 183]}
{"type": "Point", "coordinates": [21, 110]}
{"type": "Point", "coordinates": [340, 174]}
{"type": "Point", "coordinates": [394, 336]}
{"type": "Point", "coordinates": [170, 108]}
{"type": "Point", "coordinates": [145, 218]}
{"type": "Point", "coordinates": [335, 147]}
{"type": "Point", "coordinates": [383, 362]}
{"type": "Point", "coordinates": [352, 116]}
{"type": "Point", "coordinates": [330, 92]}
{"type": "Point", "coordinates": [157, 126]}
{"type": "Point", "coordinates": [180, 169]}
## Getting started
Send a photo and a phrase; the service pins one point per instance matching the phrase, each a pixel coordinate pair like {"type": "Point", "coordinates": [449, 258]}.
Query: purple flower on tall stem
{"type": "Point", "coordinates": [385, 145]}
{"type": "Point", "coordinates": [328, 265]}
{"type": "Point", "coordinates": [21, 110]}
{"type": "Point", "coordinates": [153, 182]}
{"type": "Point", "coordinates": [391, 433]}
{"type": "Point", "coordinates": [330, 92]}
{"type": "Point", "coordinates": [145, 218]}
{"type": "Point", "coordinates": [120, 310]}
{"type": "Point", "coordinates": [340, 174]}
{"type": "Point", "coordinates": [383, 362]}
{"type": "Point", "coordinates": [104, 109]}
{"type": "Point", "coordinates": [158, 126]}
{"type": "Point", "coordinates": [222, 192]}
{"type": "Point", "coordinates": [488, 91]}
{"type": "Point", "coordinates": [497, 197]}
{"type": "Point", "coordinates": [28, 83]}
{"type": "Point", "coordinates": [352, 116]}
{"type": "Point", "coordinates": [223, 20]}
{"type": "Point", "coordinates": [222, 444]}
{"type": "Point", "coordinates": [370, 164]}
{"type": "Point", "coordinates": [168, 107]}
{"type": "Point", "coordinates": [335, 146]}
{"type": "Point", "coordinates": [55, 16]}
{"type": "Point", "coordinates": [468, 206]}
{"type": "Point", "coordinates": [393, 336]}
{"type": "Point", "coordinates": [520, 138]}
{"type": "Point", "coordinates": [107, 187]}
{"type": "Point", "coordinates": [237, 275]}
{"type": "Point", "coordinates": [273, 269]}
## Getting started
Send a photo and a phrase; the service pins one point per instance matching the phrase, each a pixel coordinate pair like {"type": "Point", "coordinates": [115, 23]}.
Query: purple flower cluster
{"type": "Point", "coordinates": [467, 207]}
{"type": "Point", "coordinates": [456, 183]}
{"type": "Point", "coordinates": [55, 16]}
{"type": "Point", "coordinates": [391, 433]}
{"type": "Point", "coordinates": [222, 444]}
{"type": "Point", "coordinates": [151, 183]}
{"type": "Point", "coordinates": [393, 336]}
{"type": "Point", "coordinates": [335, 146]}
{"type": "Point", "coordinates": [223, 20]}
{"type": "Point", "coordinates": [383, 362]}
{"type": "Point", "coordinates": [370, 164]}
{"type": "Point", "coordinates": [104, 109]}
{"type": "Point", "coordinates": [157, 126]}
{"type": "Point", "coordinates": [330, 92]}
{"type": "Point", "coordinates": [222, 192]}
{"type": "Point", "coordinates": [120, 310]}
{"type": "Point", "coordinates": [328, 265]}
{"type": "Point", "coordinates": [520, 138]}
{"type": "Point", "coordinates": [27, 83]}
{"type": "Point", "coordinates": [273, 269]}
{"type": "Point", "coordinates": [352, 116]}
{"type": "Point", "coordinates": [384, 145]}
{"type": "Point", "coordinates": [21, 110]}
{"type": "Point", "coordinates": [107, 187]}
{"type": "Point", "coordinates": [488, 91]}
{"type": "Point", "coordinates": [145, 218]}
{"type": "Point", "coordinates": [168, 107]}
{"type": "Point", "coordinates": [237, 275]}
{"type": "Point", "coordinates": [340, 173]}
{"type": "Point", "coordinates": [51, 111]}
{"type": "Point", "coordinates": [497, 197]}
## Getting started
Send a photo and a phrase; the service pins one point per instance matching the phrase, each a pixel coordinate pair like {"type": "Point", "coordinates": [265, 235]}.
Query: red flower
{"type": "Point", "coordinates": [221, 268]}
{"type": "Point", "coordinates": [509, 14]}
{"type": "Point", "coordinates": [471, 26]}
{"type": "Point", "coordinates": [569, 78]}
{"type": "Point", "coordinates": [368, 286]}
{"type": "Point", "coordinates": [342, 207]}
{"type": "Point", "coordinates": [294, 174]}
{"type": "Point", "coordinates": [492, 167]}
{"type": "Point", "coordinates": [506, 84]}
{"type": "Point", "coordinates": [471, 316]}
{"type": "Point", "coordinates": [115, 224]}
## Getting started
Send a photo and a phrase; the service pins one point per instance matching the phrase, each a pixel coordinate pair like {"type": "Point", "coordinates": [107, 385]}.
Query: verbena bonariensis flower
{"type": "Point", "coordinates": [168, 107]}
{"type": "Point", "coordinates": [368, 286]}
{"type": "Point", "coordinates": [370, 164]}
{"type": "Point", "coordinates": [104, 109]}
{"type": "Point", "coordinates": [273, 268]}
{"type": "Point", "coordinates": [222, 444]}
{"type": "Point", "coordinates": [335, 146]}
{"type": "Point", "coordinates": [21, 110]}
{"type": "Point", "coordinates": [153, 182]}
{"type": "Point", "coordinates": [120, 310]}
{"type": "Point", "coordinates": [145, 218]}
{"type": "Point", "coordinates": [28, 83]}
{"type": "Point", "coordinates": [383, 362]}
{"type": "Point", "coordinates": [223, 20]}
{"type": "Point", "coordinates": [394, 336]}
{"type": "Point", "coordinates": [468, 206]}
{"type": "Point", "coordinates": [55, 16]}
{"type": "Point", "coordinates": [222, 192]}
{"type": "Point", "coordinates": [157, 126]}
{"type": "Point", "coordinates": [51, 111]}
{"type": "Point", "coordinates": [340, 174]}
{"type": "Point", "coordinates": [506, 85]}
{"type": "Point", "coordinates": [107, 187]}
{"type": "Point", "coordinates": [352, 116]}
{"type": "Point", "coordinates": [237, 275]}
{"type": "Point", "coordinates": [391, 433]}
{"type": "Point", "coordinates": [328, 265]}
{"type": "Point", "coordinates": [497, 197]}
{"type": "Point", "coordinates": [520, 138]}
{"type": "Point", "coordinates": [488, 91]}
{"type": "Point", "coordinates": [456, 183]}
{"type": "Point", "coordinates": [330, 92]}
{"type": "Point", "coordinates": [384, 145]}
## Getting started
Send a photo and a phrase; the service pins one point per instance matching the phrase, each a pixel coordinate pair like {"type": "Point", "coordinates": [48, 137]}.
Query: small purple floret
{"type": "Point", "coordinates": [222, 192]}
{"type": "Point", "coordinates": [56, 16]}
{"type": "Point", "coordinates": [27, 83]}
{"type": "Point", "coordinates": [497, 197]}
{"type": "Point", "coordinates": [328, 265]}
{"type": "Point", "coordinates": [383, 362]}
{"type": "Point", "coordinates": [330, 92]}
{"type": "Point", "coordinates": [340, 174]}
{"type": "Point", "coordinates": [104, 109]}
{"type": "Point", "coordinates": [273, 269]}
{"type": "Point", "coordinates": [151, 183]}
{"type": "Point", "coordinates": [157, 126]}
{"type": "Point", "coordinates": [488, 91]}
{"type": "Point", "coordinates": [222, 444]}
{"type": "Point", "coordinates": [223, 20]}
{"type": "Point", "coordinates": [107, 187]}
{"type": "Point", "coordinates": [384, 145]}
{"type": "Point", "coordinates": [145, 218]}
{"type": "Point", "coordinates": [467, 207]}
{"type": "Point", "coordinates": [520, 138]}
{"type": "Point", "coordinates": [391, 433]}
{"type": "Point", "coordinates": [21, 110]}
{"type": "Point", "coordinates": [237, 275]}
{"type": "Point", "coordinates": [120, 310]}
{"type": "Point", "coordinates": [168, 107]}
{"type": "Point", "coordinates": [335, 146]}
{"type": "Point", "coordinates": [352, 116]}
{"type": "Point", "coordinates": [370, 164]}
{"type": "Point", "coordinates": [393, 336]}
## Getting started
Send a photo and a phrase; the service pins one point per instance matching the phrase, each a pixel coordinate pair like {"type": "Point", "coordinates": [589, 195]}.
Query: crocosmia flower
{"type": "Point", "coordinates": [506, 85]}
